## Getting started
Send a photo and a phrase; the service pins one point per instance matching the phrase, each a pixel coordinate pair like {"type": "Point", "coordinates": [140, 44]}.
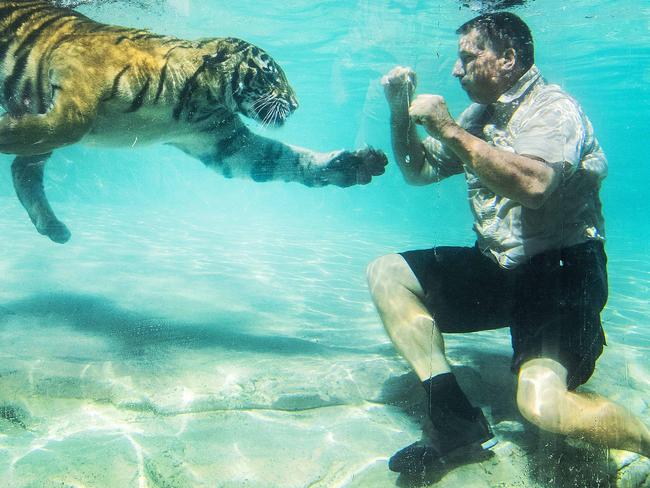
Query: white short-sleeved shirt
{"type": "Point", "coordinates": [540, 120]}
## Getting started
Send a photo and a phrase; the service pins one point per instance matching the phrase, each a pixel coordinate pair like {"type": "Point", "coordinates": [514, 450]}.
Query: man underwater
{"type": "Point", "coordinates": [533, 169]}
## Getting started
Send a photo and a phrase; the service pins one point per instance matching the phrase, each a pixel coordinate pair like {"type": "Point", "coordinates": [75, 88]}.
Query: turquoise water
{"type": "Point", "coordinates": [198, 331]}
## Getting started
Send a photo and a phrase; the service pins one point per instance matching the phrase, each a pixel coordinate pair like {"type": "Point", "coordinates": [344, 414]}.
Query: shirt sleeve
{"type": "Point", "coordinates": [554, 132]}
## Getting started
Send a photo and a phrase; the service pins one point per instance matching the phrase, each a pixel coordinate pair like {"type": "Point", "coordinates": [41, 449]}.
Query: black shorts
{"type": "Point", "coordinates": [551, 303]}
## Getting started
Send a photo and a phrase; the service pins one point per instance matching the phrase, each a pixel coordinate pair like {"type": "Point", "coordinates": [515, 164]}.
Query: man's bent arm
{"type": "Point", "coordinates": [416, 165]}
{"type": "Point", "coordinates": [409, 151]}
{"type": "Point", "coordinates": [524, 179]}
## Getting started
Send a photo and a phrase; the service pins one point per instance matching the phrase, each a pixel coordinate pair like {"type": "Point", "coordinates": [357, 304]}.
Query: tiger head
{"type": "Point", "coordinates": [257, 84]}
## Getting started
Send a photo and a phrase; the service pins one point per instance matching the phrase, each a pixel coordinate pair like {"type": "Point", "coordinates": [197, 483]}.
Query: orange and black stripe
{"type": "Point", "coordinates": [116, 83]}
{"type": "Point", "coordinates": [23, 52]}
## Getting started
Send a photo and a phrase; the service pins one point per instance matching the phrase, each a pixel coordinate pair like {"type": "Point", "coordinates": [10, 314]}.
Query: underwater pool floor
{"type": "Point", "coordinates": [181, 350]}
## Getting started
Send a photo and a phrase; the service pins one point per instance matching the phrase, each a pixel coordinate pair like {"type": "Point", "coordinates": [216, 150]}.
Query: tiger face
{"type": "Point", "coordinates": [260, 88]}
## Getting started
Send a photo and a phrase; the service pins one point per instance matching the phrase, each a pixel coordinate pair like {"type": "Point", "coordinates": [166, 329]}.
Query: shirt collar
{"type": "Point", "coordinates": [500, 112]}
{"type": "Point", "coordinates": [521, 86]}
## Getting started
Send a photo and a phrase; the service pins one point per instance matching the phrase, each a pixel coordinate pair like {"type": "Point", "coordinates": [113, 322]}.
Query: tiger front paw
{"type": "Point", "coordinates": [358, 167]}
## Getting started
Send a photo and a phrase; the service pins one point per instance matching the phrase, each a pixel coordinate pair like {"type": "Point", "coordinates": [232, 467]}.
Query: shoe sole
{"type": "Point", "coordinates": [490, 443]}
{"type": "Point", "coordinates": [452, 457]}
{"type": "Point", "coordinates": [469, 449]}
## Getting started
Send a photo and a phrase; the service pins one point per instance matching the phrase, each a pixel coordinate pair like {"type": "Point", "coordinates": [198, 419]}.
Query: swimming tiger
{"type": "Point", "coordinates": [65, 78]}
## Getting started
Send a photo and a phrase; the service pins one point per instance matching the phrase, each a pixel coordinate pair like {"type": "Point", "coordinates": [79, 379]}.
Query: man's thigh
{"type": "Point", "coordinates": [464, 290]}
{"type": "Point", "coordinates": [559, 298]}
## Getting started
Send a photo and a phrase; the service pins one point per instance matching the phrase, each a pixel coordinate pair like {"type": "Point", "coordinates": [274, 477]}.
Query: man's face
{"type": "Point", "coordinates": [479, 68]}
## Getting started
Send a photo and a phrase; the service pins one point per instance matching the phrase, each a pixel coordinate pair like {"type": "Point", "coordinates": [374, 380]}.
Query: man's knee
{"type": "Point", "coordinates": [542, 394]}
{"type": "Point", "coordinates": [384, 270]}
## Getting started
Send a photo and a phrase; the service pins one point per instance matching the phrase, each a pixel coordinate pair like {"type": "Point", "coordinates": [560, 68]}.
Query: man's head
{"type": "Point", "coordinates": [494, 50]}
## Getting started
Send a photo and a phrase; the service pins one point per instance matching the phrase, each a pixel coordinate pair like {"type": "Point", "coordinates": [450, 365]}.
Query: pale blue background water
{"type": "Point", "coordinates": [161, 243]}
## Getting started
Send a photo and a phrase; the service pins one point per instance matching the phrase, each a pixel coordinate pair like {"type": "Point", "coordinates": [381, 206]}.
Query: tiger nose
{"type": "Point", "coordinates": [293, 104]}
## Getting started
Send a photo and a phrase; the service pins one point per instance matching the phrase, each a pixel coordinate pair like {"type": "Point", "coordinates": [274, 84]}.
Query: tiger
{"type": "Point", "coordinates": [67, 79]}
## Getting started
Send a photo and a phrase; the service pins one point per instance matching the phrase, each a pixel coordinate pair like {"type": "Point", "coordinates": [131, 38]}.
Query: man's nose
{"type": "Point", "coordinates": [458, 70]}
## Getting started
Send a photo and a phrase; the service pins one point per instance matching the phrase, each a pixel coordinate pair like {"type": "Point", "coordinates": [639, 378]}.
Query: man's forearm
{"type": "Point", "coordinates": [521, 178]}
{"type": "Point", "coordinates": [408, 150]}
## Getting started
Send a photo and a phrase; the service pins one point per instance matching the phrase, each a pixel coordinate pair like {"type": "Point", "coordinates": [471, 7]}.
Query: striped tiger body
{"type": "Point", "coordinates": [66, 79]}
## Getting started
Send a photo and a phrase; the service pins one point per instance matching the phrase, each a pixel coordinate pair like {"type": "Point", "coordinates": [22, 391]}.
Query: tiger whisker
{"type": "Point", "coordinates": [262, 106]}
{"type": "Point", "coordinates": [284, 111]}
{"type": "Point", "coordinates": [276, 109]}
{"type": "Point", "coordinates": [276, 112]}
{"type": "Point", "coordinates": [263, 99]}
{"type": "Point", "coordinates": [267, 119]}
{"type": "Point", "coordinates": [274, 115]}
{"type": "Point", "coordinates": [266, 96]}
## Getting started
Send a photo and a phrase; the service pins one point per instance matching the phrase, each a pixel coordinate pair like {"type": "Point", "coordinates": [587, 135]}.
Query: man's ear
{"type": "Point", "coordinates": [509, 59]}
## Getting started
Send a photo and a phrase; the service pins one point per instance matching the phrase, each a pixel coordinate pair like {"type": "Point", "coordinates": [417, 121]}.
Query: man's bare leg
{"type": "Point", "coordinates": [543, 399]}
{"type": "Point", "coordinates": [398, 297]}
{"type": "Point", "coordinates": [457, 425]}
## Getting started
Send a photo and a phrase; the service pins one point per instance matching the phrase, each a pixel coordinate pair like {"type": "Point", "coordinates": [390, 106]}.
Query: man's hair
{"type": "Point", "coordinates": [504, 30]}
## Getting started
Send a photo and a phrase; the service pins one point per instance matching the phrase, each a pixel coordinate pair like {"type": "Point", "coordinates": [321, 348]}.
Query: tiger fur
{"type": "Point", "coordinates": [66, 79]}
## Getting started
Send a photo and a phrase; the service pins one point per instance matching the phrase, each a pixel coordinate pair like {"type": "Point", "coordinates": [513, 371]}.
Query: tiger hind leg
{"type": "Point", "coordinates": [27, 173]}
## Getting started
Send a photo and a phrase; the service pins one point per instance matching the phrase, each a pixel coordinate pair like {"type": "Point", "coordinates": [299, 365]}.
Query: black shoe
{"type": "Point", "coordinates": [413, 459]}
{"type": "Point", "coordinates": [459, 435]}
